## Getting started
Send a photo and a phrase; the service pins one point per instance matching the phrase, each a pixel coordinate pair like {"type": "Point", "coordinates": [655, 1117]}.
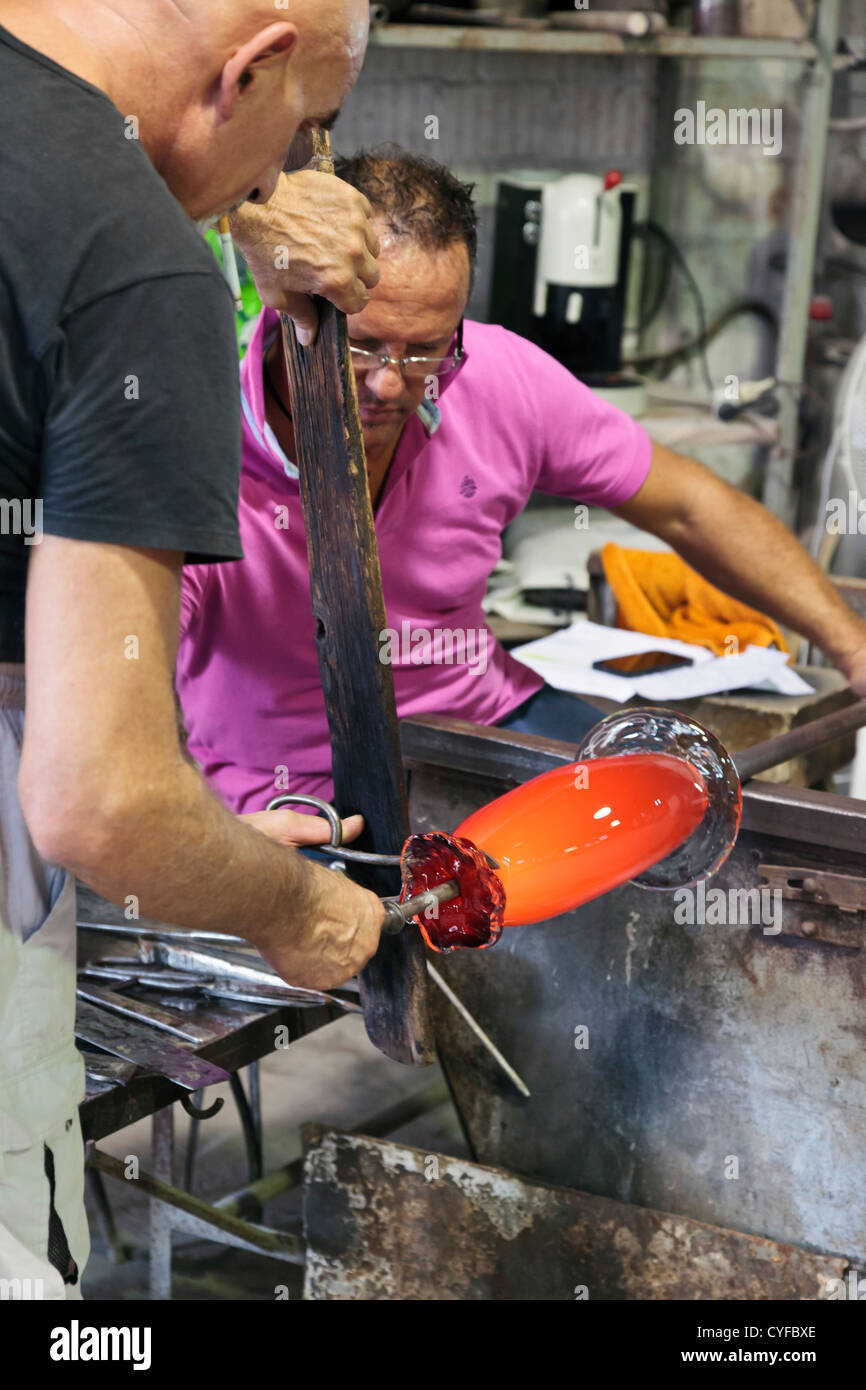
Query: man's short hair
{"type": "Point", "coordinates": [418, 197]}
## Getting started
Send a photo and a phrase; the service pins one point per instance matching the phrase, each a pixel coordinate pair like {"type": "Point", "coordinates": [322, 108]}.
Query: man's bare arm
{"type": "Point", "coordinates": [743, 549]}
{"type": "Point", "coordinates": [107, 792]}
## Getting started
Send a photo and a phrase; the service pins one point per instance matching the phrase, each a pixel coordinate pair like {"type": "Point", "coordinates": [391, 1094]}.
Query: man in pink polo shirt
{"type": "Point", "coordinates": [462, 421]}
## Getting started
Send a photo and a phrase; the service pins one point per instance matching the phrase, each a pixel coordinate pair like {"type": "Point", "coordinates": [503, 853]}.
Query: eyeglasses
{"type": "Point", "coordinates": [413, 368]}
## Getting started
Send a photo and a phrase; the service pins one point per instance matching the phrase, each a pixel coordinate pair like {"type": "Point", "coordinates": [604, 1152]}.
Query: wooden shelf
{"type": "Point", "coordinates": [570, 41]}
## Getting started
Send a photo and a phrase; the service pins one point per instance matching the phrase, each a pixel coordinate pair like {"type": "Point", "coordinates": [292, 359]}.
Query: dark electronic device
{"type": "Point", "coordinates": [642, 664]}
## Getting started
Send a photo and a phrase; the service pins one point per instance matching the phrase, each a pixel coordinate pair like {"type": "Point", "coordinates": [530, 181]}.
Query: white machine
{"type": "Point", "coordinates": [561, 267]}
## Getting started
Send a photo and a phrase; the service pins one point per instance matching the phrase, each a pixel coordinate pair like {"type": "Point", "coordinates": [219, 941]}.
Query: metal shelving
{"type": "Point", "coordinates": [570, 41]}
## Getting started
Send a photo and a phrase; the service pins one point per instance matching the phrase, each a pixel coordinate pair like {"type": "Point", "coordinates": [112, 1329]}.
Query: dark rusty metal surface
{"type": "Point", "coordinates": [439, 740]}
{"type": "Point", "coordinates": [845, 892]}
{"type": "Point", "coordinates": [811, 818]}
{"type": "Point", "coordinates": [732, 1047]}
{"type": "Point", "coordinates": [386, 1222]}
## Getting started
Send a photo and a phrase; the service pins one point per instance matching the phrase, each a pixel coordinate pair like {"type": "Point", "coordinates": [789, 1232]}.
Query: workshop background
{"type": "Point", "coordinates": [528, 115]}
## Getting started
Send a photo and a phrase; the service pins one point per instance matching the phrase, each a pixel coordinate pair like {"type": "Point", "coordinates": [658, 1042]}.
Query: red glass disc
{"type": "Point", "coordinates": [475, 918]}
{"type": "Point", "coordinates": [580, 830]}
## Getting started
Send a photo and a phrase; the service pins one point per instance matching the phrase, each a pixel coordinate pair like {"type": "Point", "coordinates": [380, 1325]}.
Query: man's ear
{"type": "Point", "coordinates": [268, 43]}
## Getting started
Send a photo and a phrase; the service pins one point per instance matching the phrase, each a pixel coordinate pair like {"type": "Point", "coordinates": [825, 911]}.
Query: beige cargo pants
{"type": "Point", "coordinates": [44, 1241]}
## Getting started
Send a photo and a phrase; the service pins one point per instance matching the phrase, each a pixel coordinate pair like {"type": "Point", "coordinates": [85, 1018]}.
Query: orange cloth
{"type": "Point", "coordinates": [658, 593]}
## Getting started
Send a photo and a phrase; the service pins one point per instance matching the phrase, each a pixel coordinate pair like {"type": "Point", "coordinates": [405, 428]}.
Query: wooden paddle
{"type": "Point", "coordinates": [349, 609]}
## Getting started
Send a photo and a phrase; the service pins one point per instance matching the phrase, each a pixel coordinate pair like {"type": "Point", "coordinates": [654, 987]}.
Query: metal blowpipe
{"type": "Point", "coordinates": [398, 914]}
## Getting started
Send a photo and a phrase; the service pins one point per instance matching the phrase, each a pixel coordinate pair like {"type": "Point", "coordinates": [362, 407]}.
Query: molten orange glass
{"type": "Point", "coordinates": [583, 829]}
{"type": "Point", "coordinates": [560, 839]}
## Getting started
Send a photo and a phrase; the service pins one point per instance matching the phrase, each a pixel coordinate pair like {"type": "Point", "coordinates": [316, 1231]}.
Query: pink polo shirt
{"type": "Point", "coordinates": [511, 420]}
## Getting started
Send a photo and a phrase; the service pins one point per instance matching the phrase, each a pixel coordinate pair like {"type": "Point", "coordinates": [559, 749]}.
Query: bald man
{"type": "Point", "coordinates": [121, 120]}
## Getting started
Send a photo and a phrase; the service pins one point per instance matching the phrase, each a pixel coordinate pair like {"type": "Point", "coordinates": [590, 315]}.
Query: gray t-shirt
{"type": "Point", "coordinates": [119, 404]}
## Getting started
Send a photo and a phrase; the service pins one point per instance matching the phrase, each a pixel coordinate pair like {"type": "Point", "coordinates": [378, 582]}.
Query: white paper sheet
{"type": "Point", "coordinates": [564, 660]}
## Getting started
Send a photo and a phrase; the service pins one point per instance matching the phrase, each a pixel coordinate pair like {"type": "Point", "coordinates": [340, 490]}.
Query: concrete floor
{"type": "Point", "coordinates": [335, 1077]}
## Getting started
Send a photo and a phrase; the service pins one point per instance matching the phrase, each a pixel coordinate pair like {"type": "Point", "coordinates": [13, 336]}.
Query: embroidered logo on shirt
{"type": "Point", "coordinates": [468, 487]}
